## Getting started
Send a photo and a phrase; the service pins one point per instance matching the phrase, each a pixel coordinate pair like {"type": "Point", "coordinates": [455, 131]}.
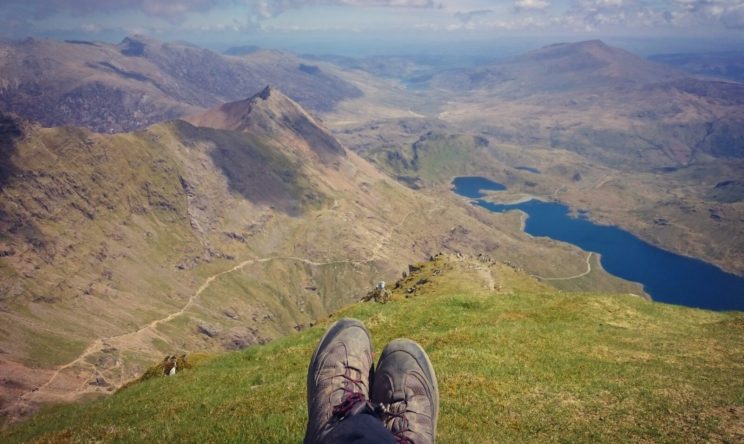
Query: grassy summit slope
{"type": "Point", "coordinates": [517, 363]}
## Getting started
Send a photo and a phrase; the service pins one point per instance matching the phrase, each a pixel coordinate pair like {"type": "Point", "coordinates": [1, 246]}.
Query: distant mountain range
{"type": "Point", "coordinates": [140, 81]}
{"type": "Point", "coordinates": [603, 102]}
{"type": "Point", "coordinates": [726, 65]}
{"type": "Point", "coordinates": [646, 146]}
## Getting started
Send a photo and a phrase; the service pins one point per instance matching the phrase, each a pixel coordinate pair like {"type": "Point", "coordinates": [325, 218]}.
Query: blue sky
{"type": "Point", "coordinates": [294, 22]}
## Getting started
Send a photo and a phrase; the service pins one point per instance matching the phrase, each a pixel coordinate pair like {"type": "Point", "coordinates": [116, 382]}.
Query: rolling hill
{"type": "Point", "coordinates": [602, 102]}
{"type": "Point", "coordinates": [726, 65]}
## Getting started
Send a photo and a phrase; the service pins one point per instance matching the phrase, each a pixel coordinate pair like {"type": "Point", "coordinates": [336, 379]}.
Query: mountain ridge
{"type": "Point", "coordinates": [140, 81]}
{"type": "Point", "coordinates": [616, 107]}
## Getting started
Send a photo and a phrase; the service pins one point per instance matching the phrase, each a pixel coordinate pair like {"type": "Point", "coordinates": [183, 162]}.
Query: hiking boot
{"type": "Point", "coordinates": [338, 377]}
{"type": "Point", "coordinates": [406, 386]}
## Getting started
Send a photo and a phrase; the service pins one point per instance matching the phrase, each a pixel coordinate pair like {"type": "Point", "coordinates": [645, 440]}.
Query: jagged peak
{"type": "Point", "coordinates": [273, 114]}
{"type": "Point", "coordinates": [266, 93]}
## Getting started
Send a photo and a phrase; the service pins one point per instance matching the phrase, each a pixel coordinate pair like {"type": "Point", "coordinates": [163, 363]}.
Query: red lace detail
{"type": "Point", "coordinates": [353, 395]}
{"type": "Point", "coordinates": [350, 400]}
{"type": "Point", "coordinates": [400, 439]}
{"type": "Point", "coordinates": [392, 412]}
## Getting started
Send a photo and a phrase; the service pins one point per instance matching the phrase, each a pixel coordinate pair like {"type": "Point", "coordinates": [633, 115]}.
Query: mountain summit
{"type": "Point", "coordinates": [272, 114]}
{"type": "Point", "coordinates": [601, 101]}
{"type": "Point", "coordinates": [562, 67]}
{"type": "Point", "coordinates": [602, 63]}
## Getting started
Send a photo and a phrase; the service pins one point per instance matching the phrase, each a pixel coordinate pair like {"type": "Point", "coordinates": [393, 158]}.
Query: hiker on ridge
{"type": "Point", "coordinates": [348, 401]}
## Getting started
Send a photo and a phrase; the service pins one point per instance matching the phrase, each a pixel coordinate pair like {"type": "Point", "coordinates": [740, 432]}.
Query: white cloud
{"type": "Point", "coordinates": [467, 16]}
{"type": "Point", "coordinates": [91, 27]}
{"type": "Point", "coordinates": [521, 5]}
{"type": "Point", "coordinates": [271, 8]}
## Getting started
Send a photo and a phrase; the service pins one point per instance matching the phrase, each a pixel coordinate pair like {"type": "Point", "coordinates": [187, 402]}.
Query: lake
{"type": "Point", "coordinates": [666, 276]}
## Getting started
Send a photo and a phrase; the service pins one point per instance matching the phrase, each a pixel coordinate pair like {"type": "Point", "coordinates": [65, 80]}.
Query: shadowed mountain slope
{"type": "Point", "coordinates": [140, 81]}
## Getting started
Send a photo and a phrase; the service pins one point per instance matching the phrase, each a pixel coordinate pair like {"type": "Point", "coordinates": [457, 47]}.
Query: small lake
{"type": "Point", "coordinates": [666, 276]}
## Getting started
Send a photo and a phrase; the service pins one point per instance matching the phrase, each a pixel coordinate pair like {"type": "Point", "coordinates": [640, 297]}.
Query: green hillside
{"type": "Point", "coordinates": [521, 362]}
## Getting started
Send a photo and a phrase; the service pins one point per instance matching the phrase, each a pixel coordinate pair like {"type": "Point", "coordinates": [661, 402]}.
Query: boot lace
{"type": "Point", "coordinates": [353, 395]}
{"type": "Point", "coordinates": [390, 413]}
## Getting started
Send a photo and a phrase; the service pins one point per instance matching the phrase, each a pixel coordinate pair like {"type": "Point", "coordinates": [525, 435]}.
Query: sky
{"type": "Point", "coordinates": [345, 26]}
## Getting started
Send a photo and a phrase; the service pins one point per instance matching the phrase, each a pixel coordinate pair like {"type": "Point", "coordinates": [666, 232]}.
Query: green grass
{"type": "Point", "coordinates": [434, 159]}
{"type": "Point", "coordinates": [523, 365]}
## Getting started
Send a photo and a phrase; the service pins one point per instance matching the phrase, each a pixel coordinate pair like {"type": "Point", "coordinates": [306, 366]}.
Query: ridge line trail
{"type": "Point", "coordinates": [386, 238]}
{"type": "Point", "coordinates": [588, 270]}
{"type": "Point", "coordinates": [603, 181]}
{"type": "Point", "coordinates": [98, 343]}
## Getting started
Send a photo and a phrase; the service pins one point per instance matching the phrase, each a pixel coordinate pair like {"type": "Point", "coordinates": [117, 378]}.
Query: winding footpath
{"type": "Point", "coordinates": [588, 270]}
{"type": "Point", "coordinates": [98, 344]}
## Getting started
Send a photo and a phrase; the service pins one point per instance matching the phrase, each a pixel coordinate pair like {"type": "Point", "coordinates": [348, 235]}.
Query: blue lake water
{"type": "Point", "coordinates": [666, 276]}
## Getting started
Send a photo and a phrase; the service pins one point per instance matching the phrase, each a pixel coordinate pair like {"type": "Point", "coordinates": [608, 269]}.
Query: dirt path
{"type": "Point", "coordinates": [485, 272]}
{"type": "Point", "coordinates": [588, 270]}
{"type": "Point", "coordinates": [98, 344]}
{"type": "Point", "coordinates": [602, 182]}
{"type": "Point", "coordinates": [389, 235]}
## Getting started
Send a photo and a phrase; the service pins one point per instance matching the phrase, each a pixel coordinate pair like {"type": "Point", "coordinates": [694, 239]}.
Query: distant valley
{"type": "Point", "coordinates": [639, 144]}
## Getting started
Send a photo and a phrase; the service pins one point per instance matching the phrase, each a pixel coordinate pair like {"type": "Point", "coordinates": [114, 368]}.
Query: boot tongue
{"type": "Point", "coordinates": [398, 396]}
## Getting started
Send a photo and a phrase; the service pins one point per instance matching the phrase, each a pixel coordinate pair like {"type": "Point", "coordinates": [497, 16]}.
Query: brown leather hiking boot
{"type": "Point", "coordinates": [406, 386]}
{"type": "Point", "coordinates": [338, 377]}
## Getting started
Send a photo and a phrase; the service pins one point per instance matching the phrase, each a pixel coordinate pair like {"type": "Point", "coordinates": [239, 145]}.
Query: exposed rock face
{"type": "Point", "coordinates": [141, 81]}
